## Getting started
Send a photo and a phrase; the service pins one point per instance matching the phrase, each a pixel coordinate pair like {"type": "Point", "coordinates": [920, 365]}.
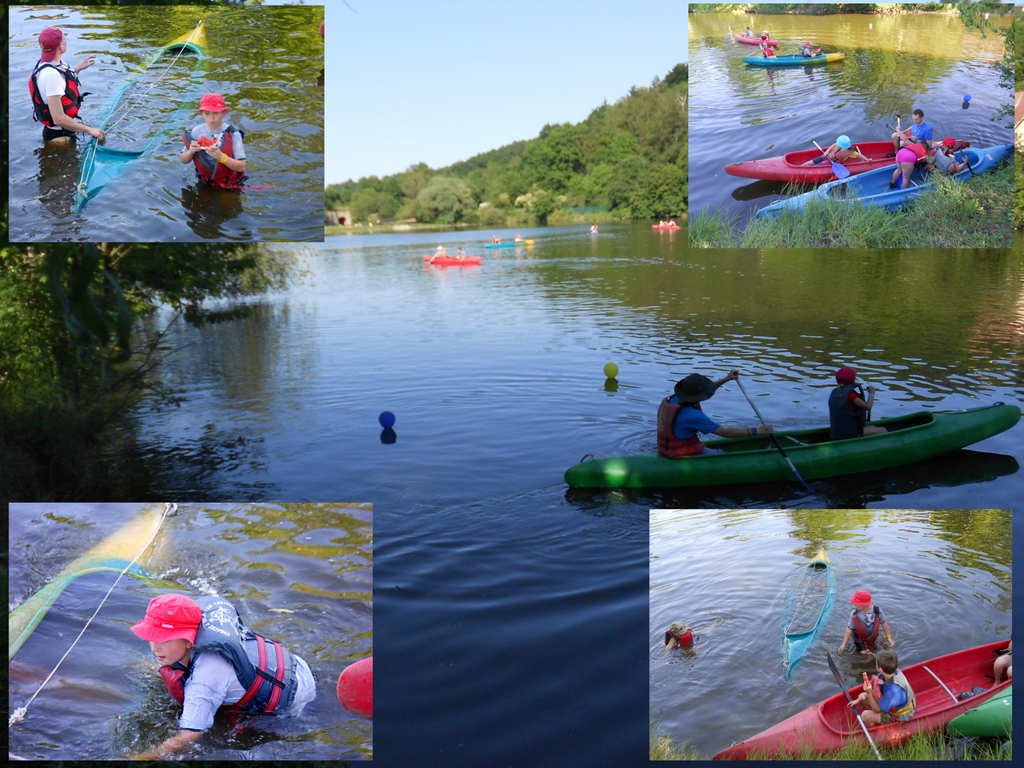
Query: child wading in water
{"type": "Point", "coordinates": [889, 701]}
{"type": "Point", "coordinates": [215, 147]}
{"type": "Point", "coordinates": [865, 621]}
{"type": "Point", "coordinates": [210, 661]}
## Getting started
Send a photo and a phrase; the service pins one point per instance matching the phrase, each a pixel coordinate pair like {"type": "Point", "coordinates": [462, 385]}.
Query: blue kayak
{"type": "Point", "coordinates": [510, 244]}
{"type": "Point", "coordinates": [792, 60]}
{"type": "Point", "coordinates": [872, 187]}
{"type": "Point", "coordinates": [810, 603]}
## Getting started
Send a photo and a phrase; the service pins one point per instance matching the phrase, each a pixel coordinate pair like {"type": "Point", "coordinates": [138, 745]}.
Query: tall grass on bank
{"type": "Point", "coordinates": [976, 213]}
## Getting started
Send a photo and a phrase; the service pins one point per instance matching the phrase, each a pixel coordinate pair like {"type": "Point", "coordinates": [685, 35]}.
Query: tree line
{"type": "Point", "coordinates": [626, 158]}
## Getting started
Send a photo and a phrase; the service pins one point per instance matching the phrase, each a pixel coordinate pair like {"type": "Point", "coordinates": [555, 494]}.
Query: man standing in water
{"type": "Point", "coordinates": [211, 660]}
{"type": "Point", "coordinates": [56, 91]}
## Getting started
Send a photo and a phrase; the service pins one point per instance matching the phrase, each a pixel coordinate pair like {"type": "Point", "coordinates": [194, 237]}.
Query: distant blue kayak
{"type": "Point", "coordinates": [872, 187]}
{"type": "Point", "coordinates": [792, 60]}
{"type": "Point", "coordinates": [510, 244]}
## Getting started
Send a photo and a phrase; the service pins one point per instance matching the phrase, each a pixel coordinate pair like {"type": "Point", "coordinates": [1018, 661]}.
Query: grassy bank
{"type": "Point", "coordinates": [561, 218]}
{"type": "Point", "coordinates": [935, 745]}
{"type": "Point", "coordinates": [976, 213]}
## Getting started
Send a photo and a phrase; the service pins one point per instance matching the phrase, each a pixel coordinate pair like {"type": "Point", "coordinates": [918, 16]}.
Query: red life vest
{"type": "Point", "coordinates": [215, 173]}
{"type": "Point", "coordinates": [670, 446]}
{"type": "Point", "coordinates": [70, 101]}
{"type": "Point", "coordinates": [861, 636]}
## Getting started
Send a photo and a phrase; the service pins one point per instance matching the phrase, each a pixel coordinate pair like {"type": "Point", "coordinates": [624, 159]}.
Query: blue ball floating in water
{"type": "Point", "coordinates": [967, 97]}
{"type": "Point", "coordinates": [386, 419]}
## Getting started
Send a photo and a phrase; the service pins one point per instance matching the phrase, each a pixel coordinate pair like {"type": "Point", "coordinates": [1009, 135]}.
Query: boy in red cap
{"type": "Point", "coordinates": [847, 408]}
{"type": "Point", "coordinates": [209, 659]}
{"type": "Point", "coordinates": [215, 147]}
{"type": "Point", "coordinates": [865, 622]}
{"type": "Point", "coordinates": [56, 91]}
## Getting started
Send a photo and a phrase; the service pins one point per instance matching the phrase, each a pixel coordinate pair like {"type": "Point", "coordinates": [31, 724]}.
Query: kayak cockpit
{"type": "Point", "coordinates": [798, 438]}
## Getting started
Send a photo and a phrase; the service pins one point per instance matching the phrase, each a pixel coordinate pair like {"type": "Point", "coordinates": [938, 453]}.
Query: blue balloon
{"type": "Point", "coordinates": [386, 419]}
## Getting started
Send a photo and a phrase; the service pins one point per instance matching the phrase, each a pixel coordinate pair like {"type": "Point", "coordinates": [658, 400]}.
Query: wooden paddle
{"type": "Point", "coordinates": [775, 442]}
{"type": "Point", "coordinates": [840, 170]}
{"type": "Point", "coordinates": [846, 693]}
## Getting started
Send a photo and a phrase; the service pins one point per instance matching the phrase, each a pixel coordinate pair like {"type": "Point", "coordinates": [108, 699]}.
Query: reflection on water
{"type": "Point", "coordinates": [893, 64]}
{"type": "Point", "coordinates": [285, 400]}
{"type": "Point", "coordinates": [942, 577]}
{"type": "Point", "coordinates": [298, 573]}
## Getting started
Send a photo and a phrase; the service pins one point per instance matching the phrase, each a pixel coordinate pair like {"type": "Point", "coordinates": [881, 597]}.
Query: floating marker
{"type": "Point", "coordinates": [386, 419]}
{"type": "Point", "coordinates": [611, 370]}
{"type": "Point", "coordinates": [355, 688]}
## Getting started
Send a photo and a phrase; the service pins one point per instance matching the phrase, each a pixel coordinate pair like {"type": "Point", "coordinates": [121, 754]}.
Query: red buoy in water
{"type": "Point", "coordinates": [355, 688]}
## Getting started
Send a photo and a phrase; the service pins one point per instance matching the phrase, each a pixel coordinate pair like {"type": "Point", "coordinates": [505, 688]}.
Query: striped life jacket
{"type": "Point", "coordinates": [264, 667]}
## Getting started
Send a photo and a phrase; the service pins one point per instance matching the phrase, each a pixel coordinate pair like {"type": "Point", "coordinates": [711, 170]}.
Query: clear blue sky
{"type": "Point", "coordinates": [437, 82]}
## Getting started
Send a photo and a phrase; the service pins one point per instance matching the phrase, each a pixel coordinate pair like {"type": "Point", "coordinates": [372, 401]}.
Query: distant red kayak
{"type": "Point", "coordinates": [829, 724]}
{"type": "Point", "coordinates": [453, 261]}
{"type": "Point", "coordinates": [755, 41]}
{"type": "Point", "coordinates": [789, 167]}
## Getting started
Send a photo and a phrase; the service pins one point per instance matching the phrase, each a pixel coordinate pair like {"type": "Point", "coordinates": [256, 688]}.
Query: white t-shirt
{"type": "Point", "coordinates": [51, 82]}
{"type": "Point", "coordinates": [213, 684]}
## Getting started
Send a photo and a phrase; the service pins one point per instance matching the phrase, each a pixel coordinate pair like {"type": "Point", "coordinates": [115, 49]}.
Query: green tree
{"type": "Point", "coordinates": [555, 156]}
{"type": "Point", "coordinates": [445, 199]}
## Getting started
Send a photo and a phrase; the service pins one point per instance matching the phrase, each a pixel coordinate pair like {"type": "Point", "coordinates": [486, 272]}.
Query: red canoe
{"type": "Point", "coordinates": [452, 261]}
{"type": "Point", "coordinates": [755, 41]}
{"type": "Point", "coordinates": [789, 167]}
{"type": "Point", "coordinates": [829, 724]}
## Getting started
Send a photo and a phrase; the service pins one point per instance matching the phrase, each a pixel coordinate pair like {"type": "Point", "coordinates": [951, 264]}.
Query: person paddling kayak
{"type": "Point", "coordinates": [56, 91]}
{"type": "Point", "coordinates": [681, 420]}
{"type": "Point", "coordinates": [807, 51]}
{"type": "Point", "coordinates": [210, 660]}
{"type": "Point", "coordinates": [839, 152]}
{"type": "Point", "coordinates": [847, 408]}
{"type": "Point", "coordinates": [766, 50]}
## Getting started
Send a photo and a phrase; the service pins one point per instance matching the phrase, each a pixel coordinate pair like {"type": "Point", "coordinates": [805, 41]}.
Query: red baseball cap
{"type": "Point", "coordinates": [212, 102]}
{"type": "Point", "coordinates": [169, 617]}
{"type": "Point", "coordinates": [50, 40]}
{"type": "Point", "coordinates": [861, 597]}
{"type": "Point", "coordinates": [949, 141]}
{"type": "Point", "coordinates": [846, 375]}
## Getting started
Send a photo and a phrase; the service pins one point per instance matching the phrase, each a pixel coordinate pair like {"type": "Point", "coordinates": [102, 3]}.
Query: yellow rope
{"type": "Point", "coordinates": [19, 714]}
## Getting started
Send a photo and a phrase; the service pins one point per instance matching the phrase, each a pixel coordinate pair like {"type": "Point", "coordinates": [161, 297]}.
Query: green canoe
{"type": "Point", "coordinates": [993, 718]}
{"type": "Point", "coordinates": [810, 603]}
{"type": "Point", "coordinates": [910, 438]}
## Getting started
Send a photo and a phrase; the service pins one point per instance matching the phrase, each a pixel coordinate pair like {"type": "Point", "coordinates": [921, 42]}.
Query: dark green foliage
{"type": "Point", "coordinates": [73, 359]}
{"type": "Point", "coordinates": [628, 157]}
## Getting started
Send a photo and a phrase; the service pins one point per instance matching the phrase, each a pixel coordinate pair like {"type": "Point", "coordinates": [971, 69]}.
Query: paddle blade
{"type": "Point", "coordinates": [836, 675]}
{"type": "Point", "coordinates": [841, 171]}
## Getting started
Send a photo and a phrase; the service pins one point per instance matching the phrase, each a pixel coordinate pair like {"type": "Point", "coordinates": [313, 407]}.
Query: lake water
{"type": "Point", "coordinates": [514, 611]}
{"type": "Point", "coordinates": [941, 578]}
{"type": "Point", "coordinates": [258, 58]}
{"type": "Point", "coordinates": [893, 64]}
{"type": "Point", "coordinates": [297, 573]}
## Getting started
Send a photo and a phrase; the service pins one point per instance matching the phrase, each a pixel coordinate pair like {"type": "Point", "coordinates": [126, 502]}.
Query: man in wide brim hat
{"type": "Point", "coordinates": [681, 420]}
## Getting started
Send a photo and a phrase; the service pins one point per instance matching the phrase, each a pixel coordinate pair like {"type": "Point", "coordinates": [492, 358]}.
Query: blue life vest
{"type": "Point", "coordinates": [264, 667]}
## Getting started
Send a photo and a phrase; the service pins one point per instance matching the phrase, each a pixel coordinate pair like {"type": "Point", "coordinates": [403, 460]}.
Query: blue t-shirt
{"type": "Point", "coordinates": [690, 421]}
{"type": "Point", "coordinates": [922, 132]}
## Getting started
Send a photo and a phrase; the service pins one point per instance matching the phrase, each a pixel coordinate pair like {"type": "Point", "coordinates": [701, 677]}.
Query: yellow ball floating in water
{"type": "Point", "coordinates": [611, 370]}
